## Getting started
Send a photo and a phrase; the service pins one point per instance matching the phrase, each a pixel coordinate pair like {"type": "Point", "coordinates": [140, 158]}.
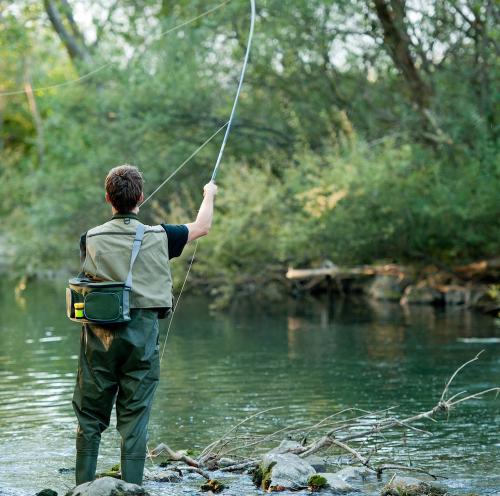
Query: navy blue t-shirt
{"type": "Point", "coordinates": [177, 235]}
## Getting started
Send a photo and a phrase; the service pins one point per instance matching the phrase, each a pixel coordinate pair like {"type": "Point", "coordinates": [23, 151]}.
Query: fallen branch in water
{"type": "Point", "coordinates": [356, 436]}
{"type": "Point", "coordinates": [174, 455]}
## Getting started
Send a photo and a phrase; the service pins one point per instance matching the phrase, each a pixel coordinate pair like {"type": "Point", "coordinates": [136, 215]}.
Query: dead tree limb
{"type": "Point", "coordinates": [356, 436]}
{"type": "Point", "coordinates": [173, 455]}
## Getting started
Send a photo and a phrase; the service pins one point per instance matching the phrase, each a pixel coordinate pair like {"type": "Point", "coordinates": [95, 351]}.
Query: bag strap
{"type": "Point", "coordinates": [136, 246]}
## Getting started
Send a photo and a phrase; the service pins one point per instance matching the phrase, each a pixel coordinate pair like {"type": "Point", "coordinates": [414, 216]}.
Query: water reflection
{"type": "Point", "coordinates": [311, 357]}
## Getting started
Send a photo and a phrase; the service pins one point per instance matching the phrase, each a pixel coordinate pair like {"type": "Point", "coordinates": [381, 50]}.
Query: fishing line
{"type": "Point", "coordinates": [217, 163]}
{"type": "Point", "coordinates": [60, 85]}
{"type": "Point", "coordinates": [178, 299]}
{"type": "Point", "coordinates": [107, 64]}
{"type": "Point", "coordinates": [185, 162]}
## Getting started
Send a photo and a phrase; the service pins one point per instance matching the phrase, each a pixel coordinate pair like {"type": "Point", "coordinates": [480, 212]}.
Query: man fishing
{"type": "Point", "coordinates": [120, 363]}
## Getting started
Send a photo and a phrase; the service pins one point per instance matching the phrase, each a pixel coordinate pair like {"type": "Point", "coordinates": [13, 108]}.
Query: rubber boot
{"type": "Point", "coordinates": [132, 470]}
{"type": "Point", "coordinates": [86, 465]}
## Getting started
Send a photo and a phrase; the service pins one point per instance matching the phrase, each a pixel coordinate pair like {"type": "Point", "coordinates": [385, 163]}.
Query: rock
{"type": "Point", "coordinates": [336, 484]}
{"type": "Point", "coordinates": [410, 486]}
{"type": "Point", "coordinates": [107, 486]}
{"type": "Point", "coordinates": [487, 301]}
{"type": "Point", "coordinates": [286, 446]}
{"type": "Point", "coordinates": [213, 485]}
{"type": "Point", "coordinates": [317, 463]}
{"type": "Point", "coordinates": [47, 492]}
{"type": "Point", "coordinates": [353, 474]}
{"type": "Point", "coordinates": [421, 294]}
{"type": "Point", "coordinates": [65, 470]}
{"type": "Point", "coordinates": [388, 288]}
{"type": "Point", "coordinates": [163, 476]}
{"type": "Point", "coordinates": [456, 295]}
{"type": "Point", "coordinates": [286, 471]}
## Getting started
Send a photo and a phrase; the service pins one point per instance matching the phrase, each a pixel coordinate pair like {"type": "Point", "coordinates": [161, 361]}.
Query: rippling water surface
{"type": "Point", "coordinates": [312, 358]}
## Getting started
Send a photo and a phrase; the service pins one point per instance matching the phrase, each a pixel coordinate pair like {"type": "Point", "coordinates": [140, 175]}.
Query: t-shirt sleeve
{"type": "Point", "coordinates": [83, 247]}
{"type": "Point", "coordinates": [177, 238]}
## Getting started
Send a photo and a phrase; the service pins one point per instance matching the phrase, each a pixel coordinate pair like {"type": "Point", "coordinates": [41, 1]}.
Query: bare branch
{"type": "Point", "coordinates": [357, 436]}
{"type": "Point", "coordinates": [173, 455]}
{"type": "Point", "coordinates": [445, 391]}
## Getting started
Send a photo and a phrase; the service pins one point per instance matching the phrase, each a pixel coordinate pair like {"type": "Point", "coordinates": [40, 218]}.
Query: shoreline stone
{"type": "Point", "coordinates": [411, 486]}
{"type": "Point", "coordinates": [355, 474]}
{"type": "Point", "coordinates": [107, 486]}
{"type": "Point", "coordinates": [387, 287]}
{"type": "Point", "coordinates": [421, 294]}
{"type": "Point", "coordinates": [284, 471]}
{"type": "Point", "coordinates": [336, 484]}
{"type": "Point", "coordinates": [318, 463]}
{"type": "Point", "coordinates": [163, 476]}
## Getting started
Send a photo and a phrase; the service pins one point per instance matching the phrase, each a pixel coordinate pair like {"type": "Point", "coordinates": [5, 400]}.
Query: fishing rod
{"type": "Point", "coordinates": [240, 84]}
{"type": "Point", "coordinates": [218, 161]}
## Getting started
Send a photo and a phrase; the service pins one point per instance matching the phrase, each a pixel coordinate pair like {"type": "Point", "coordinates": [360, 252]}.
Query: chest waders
{"type": "Point", "coordinates": [118, 363]}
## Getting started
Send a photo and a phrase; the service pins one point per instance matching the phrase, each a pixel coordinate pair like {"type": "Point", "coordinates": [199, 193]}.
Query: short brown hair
{"type": "Point", "coordinates": [124, 187]}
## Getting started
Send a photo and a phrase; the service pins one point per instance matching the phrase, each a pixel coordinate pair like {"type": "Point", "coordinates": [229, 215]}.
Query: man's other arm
{"type": "Point", "coordinates": [201, 226]}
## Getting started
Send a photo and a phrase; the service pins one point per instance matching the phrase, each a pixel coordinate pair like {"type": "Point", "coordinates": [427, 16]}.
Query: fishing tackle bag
{"type": "Point", "coordinates": [104, 302]}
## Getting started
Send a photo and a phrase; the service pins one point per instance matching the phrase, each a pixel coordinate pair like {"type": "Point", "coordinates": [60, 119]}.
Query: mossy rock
{"type": "Point", "coordinates": [257, 476]}
{"type": "Point", "coordinates": [213, 485]}
{"type": "Point", "coordinates": [262, 478]}
{"type": "Point", "coordinates": [409, 486]}
{"type": "Point", "coordinates": [316, 482]}
{"type": "Point", "coordinates": [285, 470]}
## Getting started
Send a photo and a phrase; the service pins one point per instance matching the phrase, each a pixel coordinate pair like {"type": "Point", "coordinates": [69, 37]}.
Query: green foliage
{"type": "Point", "coordinates": [328, 158]}
{"type": "Point", "coordinates": [355, 205]}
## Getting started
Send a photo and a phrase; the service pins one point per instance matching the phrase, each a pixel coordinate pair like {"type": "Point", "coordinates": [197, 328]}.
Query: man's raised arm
{"type": "Point", "coordinates": [201, 226]}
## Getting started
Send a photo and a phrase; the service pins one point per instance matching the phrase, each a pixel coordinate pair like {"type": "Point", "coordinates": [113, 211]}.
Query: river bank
{"type": "Point", "coordinates": [475, 286]}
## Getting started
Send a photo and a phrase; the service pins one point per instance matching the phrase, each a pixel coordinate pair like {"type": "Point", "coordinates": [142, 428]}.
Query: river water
{"type": "Point", "coordinates": [312, 358]}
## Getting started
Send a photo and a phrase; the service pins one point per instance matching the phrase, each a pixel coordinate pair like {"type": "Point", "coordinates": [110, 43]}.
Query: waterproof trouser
{"type": "Point", "coordinates": [118, 364]}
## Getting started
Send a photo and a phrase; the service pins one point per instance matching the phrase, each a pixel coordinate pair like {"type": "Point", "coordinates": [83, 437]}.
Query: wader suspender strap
{"type": "Point", "coordinates": [139, 234]}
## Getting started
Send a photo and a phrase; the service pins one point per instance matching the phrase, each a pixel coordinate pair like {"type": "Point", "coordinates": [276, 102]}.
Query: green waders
{"type": "Point", "coordinates": [118, 363]}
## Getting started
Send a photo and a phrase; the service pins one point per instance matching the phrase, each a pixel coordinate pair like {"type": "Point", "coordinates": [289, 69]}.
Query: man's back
{"type": "Point", "coordinates": [108, 249]}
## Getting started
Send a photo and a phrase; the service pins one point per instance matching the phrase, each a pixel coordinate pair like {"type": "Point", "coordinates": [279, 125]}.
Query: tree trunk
{"type": "Point", "coordinates": [392, 17]}
{"type": "Point", "coordinates": [73, 41]}
{"type": "Point", "coordinates": [482, 59]}
{"type": "Point", "coordinates": [397, 43]}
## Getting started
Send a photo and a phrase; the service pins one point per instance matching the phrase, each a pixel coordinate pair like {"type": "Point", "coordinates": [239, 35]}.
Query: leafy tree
{"type": "Point", "coordinates": [365, 130]}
